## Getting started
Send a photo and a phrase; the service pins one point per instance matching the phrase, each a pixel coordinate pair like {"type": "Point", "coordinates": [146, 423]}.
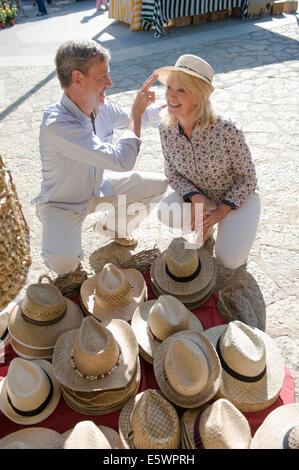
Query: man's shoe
{"type": "Point", "coordinates": [102, 229]}
{"type": "Point", "coordinates": [42, 13]}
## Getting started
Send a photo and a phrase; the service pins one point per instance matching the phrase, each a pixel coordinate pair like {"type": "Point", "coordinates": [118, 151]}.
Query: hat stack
{"type": "Point", "coordinates": [4, 331]}
{"type": "Point", "coordinates": [113, 293]}
{"type": "Point", "coordinates": [156, 320]}
{"type": "Point", "coordinates": [253, 369]}
{"type": "Point", "coordinates": [217, 426]}
{"type": "Point", "coordinates": [186, 273]}
{"type": "Point", "coordinates": [38, 320]}
{"type": "Point", "coordinates": [32, 438]}
{"type": "Point", "coordinates": [29, 393]}
{"type": "Point", "coordinates": [149, 421]}
{"type": "Point", "coordinates": [87, 435]}
{"type": "Point", "coordinates": [97, 366]}
{"type": "Point", "coordinates": [187, 369]}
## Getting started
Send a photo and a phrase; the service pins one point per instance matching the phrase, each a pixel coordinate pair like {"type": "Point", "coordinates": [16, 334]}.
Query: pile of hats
{"type": "Point", "coordinates": [4, 331]}
{"type": "Point", "coordinates": [188, 274]}
{"type": "Point", "coordinates": [37, 321]}
{"type": "Point", "coordinates": [84, 435]}
{"type": "Point", "coordinates": [97, 366]}
{"type": "Point", "coordinates": [113, 293]}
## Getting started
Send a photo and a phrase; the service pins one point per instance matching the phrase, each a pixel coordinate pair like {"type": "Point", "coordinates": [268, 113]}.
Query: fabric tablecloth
{"type": "Point", "coordinates": [64, 418]}
{"type": "Point", "coordinates": [127, 11]}
{"type": "Point", "coordinates": [158, 12]}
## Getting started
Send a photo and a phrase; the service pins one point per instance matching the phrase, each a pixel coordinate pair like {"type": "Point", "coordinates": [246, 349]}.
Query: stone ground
{"type": "Point", "coordinates": [256, 65]}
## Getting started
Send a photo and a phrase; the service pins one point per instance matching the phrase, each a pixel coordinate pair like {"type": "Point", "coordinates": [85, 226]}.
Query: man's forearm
{"type": "Point", "coordinates": [134, 123]}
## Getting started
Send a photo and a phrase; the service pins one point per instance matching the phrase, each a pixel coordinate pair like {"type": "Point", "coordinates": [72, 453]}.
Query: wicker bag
{"type": "Point", "coordinates": [14, 240]}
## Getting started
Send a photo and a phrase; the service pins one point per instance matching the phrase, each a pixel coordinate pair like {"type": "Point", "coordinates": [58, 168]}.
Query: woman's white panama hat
{"type": "Point", "coordinates": [190, 64]}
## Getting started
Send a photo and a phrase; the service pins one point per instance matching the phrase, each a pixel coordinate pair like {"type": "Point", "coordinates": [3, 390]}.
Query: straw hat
{"type": "Point", "coordinates": [113, 293]}
{"type": "Point", "coordinates": [252, 367]}
{"type": "Point", "coordinates": [187, 369]}
{"type": "Point", "coordinates": [32, 438]}
{"type": "Point", "coordinates": [149, 421]}
{"type": "Point", "coordinates": [181, 271]}
{"type": "Point", "coordinates": [190, 64]}
{"type": "Point", "coordinates": [37, 321]}
{"type": "Point", "coordinates": [98, 356]}
{"type": "Point", "coordinates": [190, 301]}
{"type": "Point", "coordinates": [87, 435]}
{"type": "Point", "coordinates": [279, 430]}
{"type": "Point", "coordinates": [30, 353]}
{"type": "Point", "coordinates": [217, 426]}
{"type": "Point", "coordinates": [4, 333]}
{"type": "Point", "coordinates": [29, 393]}
{"type": "Point", "coordinates": [156, 320]}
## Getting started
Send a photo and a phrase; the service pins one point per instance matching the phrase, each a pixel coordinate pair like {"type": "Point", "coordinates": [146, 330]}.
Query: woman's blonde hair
{"type": "Point", "coordinates": [204, 113]}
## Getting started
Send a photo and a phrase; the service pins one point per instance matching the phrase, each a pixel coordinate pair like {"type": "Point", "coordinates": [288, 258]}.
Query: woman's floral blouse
{"type": "Point", "coordinates": [216, 162]}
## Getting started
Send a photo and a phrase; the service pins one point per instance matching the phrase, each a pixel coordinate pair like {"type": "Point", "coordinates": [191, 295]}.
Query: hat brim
{"type": "Point", "coordinates": [66, 375]}
{"type": "Point", "coordinates": [214, 380]}
{"type": "Point", "coordinates": [201, 281]}
{"type": "Point", "coordinates": [32, 438]}
{"type": "Point", "coordinates": [271, 432]}
{"type": "Point", "coordinates": [38, 336]}
{"type": "Point", "coordinates": [252, 396]}
{"type": "Point", "coordinates": [140, 323]}
{"type": "Point", "coordinates": [190, 301]}
{"type": "Point", "coordinates": [110, 434]}
{"type": "Point", "coordinates": [8, 411]}
{"type": "Point", "coordinates": [30, 353]}
{"type": "Point", "coordinates": [164, 73]}
{"type": "Point", "coordinates": [139, 295]}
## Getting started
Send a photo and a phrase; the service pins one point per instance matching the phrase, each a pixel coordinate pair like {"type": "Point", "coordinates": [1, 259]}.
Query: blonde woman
{"type": "Point", "coordinates": [207, 161]}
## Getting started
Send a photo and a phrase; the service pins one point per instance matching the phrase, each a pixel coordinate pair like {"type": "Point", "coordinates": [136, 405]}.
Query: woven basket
{"type": "Point", "coordinates": [142, 261]}
{"type": "Point", "coordinates": [14, 240]}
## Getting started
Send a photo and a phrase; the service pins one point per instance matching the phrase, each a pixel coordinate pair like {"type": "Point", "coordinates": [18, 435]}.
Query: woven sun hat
{"type": "Point", "coordinates": [156, 320]}
{"type": "Point", "coordinates": [217, 426]}
{"type": "Point", "coordinates": [191, 301]}
{"type": "Point", "coordinates": [29, 393]}
{"type": "Point", "coordinates": [113, 293]}
{"type": "Point", "coordinates": [4, 333]}
{"type": "Point", "coordinates": [32, 438]}
{"type": "Point", "coordinates": [97, 356]}
{"type": "Point", "coordinates": [30, 353]}
{"type": "Point", "coordinates": [191, 64]}
{"type": "Point", "coordinates": [37, 321]}
{"type": "Point", "coordinates": [182, 271]}
{"type": "Point", "coordinates": [279, 430]}
{"type": "Point", "coordinates": [187, 369]}
{"type": "Point", "coordinates": [253, 369]}
{"type": "Point", "coordinates": [87, 435]}
{"type": "Point", "coordinates": [149, 421]}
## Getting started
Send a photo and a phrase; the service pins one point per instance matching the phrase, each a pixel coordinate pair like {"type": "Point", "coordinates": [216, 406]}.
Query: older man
{"type": "Point", "coordinates": [80, 164]}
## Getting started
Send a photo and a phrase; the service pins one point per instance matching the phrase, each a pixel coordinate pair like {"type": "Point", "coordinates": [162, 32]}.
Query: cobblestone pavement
{"type": "Point", "coordinates": [256, 82]}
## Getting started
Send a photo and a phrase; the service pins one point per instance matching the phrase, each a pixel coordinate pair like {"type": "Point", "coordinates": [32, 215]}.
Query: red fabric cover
{"type": "Point", "coordinates": [65, 418]}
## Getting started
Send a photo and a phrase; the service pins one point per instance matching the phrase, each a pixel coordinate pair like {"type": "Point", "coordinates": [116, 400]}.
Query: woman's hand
{"type": "Point", "coordinates": [213, 217]}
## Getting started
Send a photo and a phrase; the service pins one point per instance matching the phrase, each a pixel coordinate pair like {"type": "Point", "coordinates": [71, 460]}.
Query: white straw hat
{"type": "Point", "coordinates": [156, 320]}
{"type": "Point", "coordinates": [279, 430]}
{"type": "Point", "coordinates": [252, 367]}
{"type": "Point", "coordinates": [189, 64]}
{"type": "Point", "coordinates": [29, 393]}
{"type": "Point", "coordinates": [32, 438]}
{"type": "Point", "coordinates": [187, 369]}
{"type": "Point", "coordinates": [149, 421]}
{"type": "Point", "coordinates": [98, 356]}
{"type": "Point", "coordinates": [113, 293]}
{"type": "Point", "coordinates": [87, 435]}
{"type": "Point", "coordinates": [217, 426]}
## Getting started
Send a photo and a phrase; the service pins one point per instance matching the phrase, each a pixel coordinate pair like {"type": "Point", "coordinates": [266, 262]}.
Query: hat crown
{"type": "Point", "coordinates": [195, 64]}
{"type": "Point", "coordinates": [112, 287]}
{"type": "Point", "coordinates": [155, 423]}
{"type": "Point", "coordinates": [43, 302]}
{"type": "Point", "coordinates": [186, 367]}
{"type": "Point", "coordinates": [27, 384]}
{"type": "Point", "coordinates": [243, 349]}
{"type": "Point", "coordinates": [86, 435]}
{"type": "Point", "coordinates": [223, 426]}
{"type": "Point", "coordinates": [181, 262]}
{"type": "Point", "coordinates": [293, 438]}
{"type": "Point", "coordinates": [95, 349]}
{"type": "Point", "coordinates": [167, 316]}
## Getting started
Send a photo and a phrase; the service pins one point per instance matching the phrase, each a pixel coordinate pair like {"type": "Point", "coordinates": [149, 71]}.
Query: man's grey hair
{"type": "Point", "coordinates": [76, 55]}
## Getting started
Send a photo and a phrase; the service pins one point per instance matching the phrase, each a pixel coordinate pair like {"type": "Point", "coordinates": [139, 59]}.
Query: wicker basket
{"type": "Point", "coordinates": [14, 240]}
